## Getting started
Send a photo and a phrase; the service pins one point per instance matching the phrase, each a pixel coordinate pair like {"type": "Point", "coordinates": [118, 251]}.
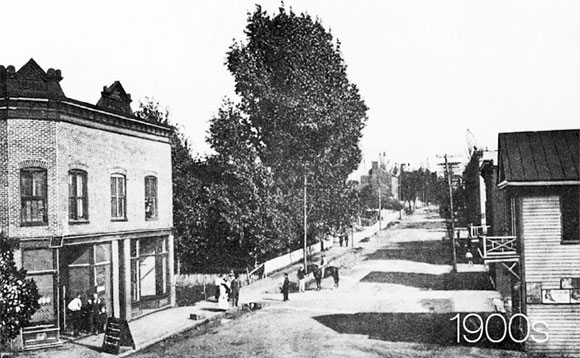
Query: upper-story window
{"type": "Point", "coordinates": [118, 197]}
{"type": "Point", "coordinates": [33, 196]}
{"type": "Point", "coordinates": [151, 198]}
{"type": "Point", "coordinates": [78, 197]}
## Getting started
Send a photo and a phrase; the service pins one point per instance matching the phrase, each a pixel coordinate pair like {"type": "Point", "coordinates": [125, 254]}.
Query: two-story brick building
{"type": "Point", "coordinates": [86, 196]}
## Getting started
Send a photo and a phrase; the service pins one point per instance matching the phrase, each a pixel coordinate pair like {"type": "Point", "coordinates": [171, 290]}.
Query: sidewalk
{"type": "Point", "coordinates": [146, 331]}
{"type": "Point", "coordinates": [158, 326]}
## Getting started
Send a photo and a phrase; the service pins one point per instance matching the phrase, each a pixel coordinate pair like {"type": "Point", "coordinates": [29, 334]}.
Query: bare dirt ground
{"type": "Point", "coordinates": [396, 298]}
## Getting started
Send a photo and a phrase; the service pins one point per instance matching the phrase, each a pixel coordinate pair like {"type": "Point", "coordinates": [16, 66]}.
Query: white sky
{"type": "Point", "coordinates": [428, 69]}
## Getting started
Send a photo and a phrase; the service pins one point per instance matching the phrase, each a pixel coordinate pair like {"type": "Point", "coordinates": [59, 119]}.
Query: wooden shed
{"type": "Point", "coordinates": [539, 173]}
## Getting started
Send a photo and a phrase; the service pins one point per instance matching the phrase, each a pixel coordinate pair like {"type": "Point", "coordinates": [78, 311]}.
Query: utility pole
{"type": "Point", "coordinates": [305, 223]}
{"type": "Point", "coordinates": [378, 175]}
{"type": "Point", "coordinates": [452, 234]}
{"type": "Point", "coordinates": [452, 213]}
{"type": "Point", "coordinates": [379, 182]}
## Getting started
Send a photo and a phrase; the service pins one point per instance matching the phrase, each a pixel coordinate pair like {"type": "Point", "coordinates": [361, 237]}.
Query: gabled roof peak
{"type": "Point", "coordinates": [116, 98]}
{"type": "Point", "coordinates": [30, 81]}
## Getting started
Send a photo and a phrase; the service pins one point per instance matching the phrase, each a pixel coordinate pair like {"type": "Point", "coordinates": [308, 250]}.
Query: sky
{"type": "Point", "coordinates": [429, 70]}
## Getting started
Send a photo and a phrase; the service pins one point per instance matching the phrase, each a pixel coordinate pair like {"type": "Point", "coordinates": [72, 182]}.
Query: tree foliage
{"type": "Point", "coordinates": [18, 295]}
{"type": "Point", "coordinates": [303, 117]}
{"type": "Point", "coordinates": [420, 184]}
{"type": "Point", "coordinates": [297, 116]}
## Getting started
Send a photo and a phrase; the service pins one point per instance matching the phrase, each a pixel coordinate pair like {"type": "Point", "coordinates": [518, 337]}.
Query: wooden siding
{"type": "Point", "coordinates": [563, 330]}
{"type": "Point", "coordinates": [546, 260]}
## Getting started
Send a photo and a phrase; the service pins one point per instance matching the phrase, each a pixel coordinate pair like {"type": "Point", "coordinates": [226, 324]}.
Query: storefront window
{"type": "Point", "coordinates": [148, 267]}
{"type": "Point", "coordinates": [40, 267]}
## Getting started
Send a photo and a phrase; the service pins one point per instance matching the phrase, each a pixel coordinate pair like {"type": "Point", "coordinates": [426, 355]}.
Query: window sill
{"type": "Point", "coordinates": [151, 297]}
{"type": "Point", "coordinates": [118, 219]}
{"type": "Point", "coordinates": [34, 224]}
{"type": "Point", "coordinates": [78, 222]}
{"type": "Point", "coordinates": [152, 219]}
{"type": "Point", "coordinates": [570, 242]}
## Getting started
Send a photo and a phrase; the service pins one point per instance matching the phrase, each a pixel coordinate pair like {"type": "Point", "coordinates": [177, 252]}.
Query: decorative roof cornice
{"type": "Point", "coordinates": [73, 111]}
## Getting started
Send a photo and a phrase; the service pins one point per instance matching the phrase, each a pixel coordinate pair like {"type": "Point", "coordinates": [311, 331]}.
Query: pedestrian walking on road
{"type": "Point", "coordinates": [236, 285]}
{"type": "Point", "coordinates": [285, 287]}
{"type": "Point", "coordinates": [469, 257]}
{"type": "Point", "coordinates": [301, 279]}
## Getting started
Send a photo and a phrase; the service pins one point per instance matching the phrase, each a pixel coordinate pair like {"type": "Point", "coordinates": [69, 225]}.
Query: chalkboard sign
{"type": "Point", "coordinates": [117, 334]}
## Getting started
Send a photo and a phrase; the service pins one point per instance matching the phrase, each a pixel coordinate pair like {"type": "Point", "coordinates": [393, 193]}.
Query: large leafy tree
{"type": "Point", "coordinates": [245, 223]}
{"type": "Point", "coordinates": [303, 116]}
{"type": "Point", "coordinates": [18, 295]}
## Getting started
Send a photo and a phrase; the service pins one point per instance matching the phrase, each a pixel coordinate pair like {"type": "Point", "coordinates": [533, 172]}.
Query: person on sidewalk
{"type": "Point", "coordinates": [285, 287]}
{"type": "Point", "coordinates": [223, 302]}
{"type": "Point", "coordinates": [236, 285]}
{"type": "Point", "coordinates": [97, 313]}
{"type": "Point", "coordinates": [75, 306]}
{"type": "Point", "coordinates": [301, 279]}
{"type": "Point", "coordinates": [218, 282]}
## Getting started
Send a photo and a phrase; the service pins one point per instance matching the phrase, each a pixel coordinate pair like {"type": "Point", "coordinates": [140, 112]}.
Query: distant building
{"type": "Point", "coordinates": [86, 196]}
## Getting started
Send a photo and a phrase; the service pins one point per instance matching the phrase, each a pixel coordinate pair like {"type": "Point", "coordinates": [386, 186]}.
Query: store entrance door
{"type": "Point", "coordinates": [85, 270]}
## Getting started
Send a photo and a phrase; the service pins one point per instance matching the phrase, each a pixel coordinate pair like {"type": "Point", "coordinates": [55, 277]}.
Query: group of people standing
{"type": "Point", "coordinates": [89, 316]}
{"type": "Point", "coordinates": [228, 290]}
{"type": "Point", "coordinates": [301, 275]}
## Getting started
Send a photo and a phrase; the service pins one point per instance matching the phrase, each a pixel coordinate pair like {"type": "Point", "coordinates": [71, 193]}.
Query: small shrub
{"type": "Point", "coordinates": [18, 295]}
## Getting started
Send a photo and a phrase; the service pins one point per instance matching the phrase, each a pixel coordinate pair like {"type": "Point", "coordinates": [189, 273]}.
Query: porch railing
{"type": "Point", "coordinates": [478, 230]}
{"type": "Point", "coordinates": [499, 248]}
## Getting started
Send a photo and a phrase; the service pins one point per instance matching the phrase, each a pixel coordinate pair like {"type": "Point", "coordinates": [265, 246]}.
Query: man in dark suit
{"type": "Point", "coordinates": [285, 287]}
{"type": "Point", "coordinates": [97, 315]}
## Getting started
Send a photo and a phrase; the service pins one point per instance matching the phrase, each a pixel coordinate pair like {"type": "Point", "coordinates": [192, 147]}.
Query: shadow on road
{"type": "Point", "coordinates": [432, 252]}
{"type": "Point", "coordinates": [449, 281]}
{"type": "Point", "coordinates": [428, 328]}
{"type": "Point", "coordinates": [424, 225]}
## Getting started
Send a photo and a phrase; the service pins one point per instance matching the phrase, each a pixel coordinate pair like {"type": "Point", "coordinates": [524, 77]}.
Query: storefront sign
{"type": "Point", "coordinates": [570, 282]}
{"type": "Point", "coordinates": [575, 296]}
{"type": "Point", "coordinates": [556, 296]}
{"type": "Point", "coordinates": [534, 292]}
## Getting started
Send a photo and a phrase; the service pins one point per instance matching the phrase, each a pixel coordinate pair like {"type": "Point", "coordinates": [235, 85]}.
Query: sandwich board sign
{"type": "Point", "coordinates": [117, 334]}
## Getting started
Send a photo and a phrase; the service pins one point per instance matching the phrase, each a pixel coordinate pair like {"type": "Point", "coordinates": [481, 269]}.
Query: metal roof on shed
{"type": "Point", "coordinates": [547, 156]}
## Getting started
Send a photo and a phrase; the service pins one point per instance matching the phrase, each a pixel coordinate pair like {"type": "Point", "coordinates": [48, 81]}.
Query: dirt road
{"type": "Point", "coordinates": [397, 298]}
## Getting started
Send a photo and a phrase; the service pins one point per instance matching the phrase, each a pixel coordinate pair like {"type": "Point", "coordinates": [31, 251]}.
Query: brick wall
{"type": "Point", "coordinates": [3, 174]}
{"type": "Point", "coordinates": [31, 143]}
{"type": "Point", "coordinates": [61, 146]}
{"type": "Point", "coordinates": [101, 153]}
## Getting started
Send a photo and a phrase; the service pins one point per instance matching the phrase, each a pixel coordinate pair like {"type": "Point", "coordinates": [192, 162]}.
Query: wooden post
{"type": "Point", "coordinates": [305, 223]}
{"type": "Point", "coordinates": [452, 213]}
